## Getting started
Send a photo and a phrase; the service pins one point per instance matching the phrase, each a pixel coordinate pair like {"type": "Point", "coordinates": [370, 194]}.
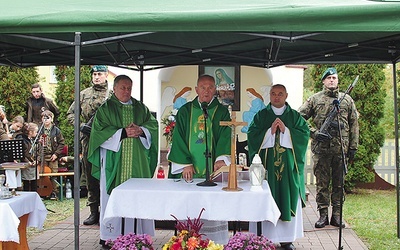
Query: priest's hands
{"type": "Point", "coordinates": [133, 130]}
{"type": "Point", "coordinates": [277, 124]}
{"type": "Point", "coordinates": [188, 173]}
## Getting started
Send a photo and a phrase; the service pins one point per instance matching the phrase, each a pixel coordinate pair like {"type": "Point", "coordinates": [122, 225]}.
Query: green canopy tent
{"type": "Point", "coordinates": [153, 34]}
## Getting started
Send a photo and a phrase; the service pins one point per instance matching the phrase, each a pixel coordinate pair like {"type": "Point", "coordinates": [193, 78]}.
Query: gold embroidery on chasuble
{"type": "Point", "coordinates": [127, 145]}
{"type": "Point", "coordinates": [279, 165]}
{"type": "Point", "coordinates": [197, 140]}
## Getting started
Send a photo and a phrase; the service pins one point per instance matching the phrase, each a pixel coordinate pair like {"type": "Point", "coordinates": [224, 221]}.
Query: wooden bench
{"type": "Point", "coordinates": [60, 175]}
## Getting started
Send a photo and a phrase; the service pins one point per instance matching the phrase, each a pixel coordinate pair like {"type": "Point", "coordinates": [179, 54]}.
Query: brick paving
{"type": "Point", "coordinates": [62, 235]}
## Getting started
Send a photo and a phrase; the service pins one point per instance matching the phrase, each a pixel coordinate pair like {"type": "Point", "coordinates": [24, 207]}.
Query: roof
{"type": "Point", "coordinates": [261, 33]}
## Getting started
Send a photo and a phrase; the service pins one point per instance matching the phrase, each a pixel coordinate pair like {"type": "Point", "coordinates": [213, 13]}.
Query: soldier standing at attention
{"type": "Point", "coordinates": [327, 155]}
{"type": "Point", "coordinates": [90, 99]}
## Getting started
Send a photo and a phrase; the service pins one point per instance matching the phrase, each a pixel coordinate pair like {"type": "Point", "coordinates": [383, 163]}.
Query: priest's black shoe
{"type": "Point", "coordinates": [335, 221]}
{"type": "Point", "coordinates": [288, 246]}
{"type": "Point", "coordinates": [103, 244]}
{"type": "Point", "coordinates": [322, 222]}
{"type": "Point", "coordinates": [92, 219]}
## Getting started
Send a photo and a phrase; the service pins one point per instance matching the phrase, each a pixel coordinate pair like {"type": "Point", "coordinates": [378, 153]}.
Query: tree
{"type": "Point", "coordinates": [65, 92]}
{"type": "Point", "coordinates": [15, 85]}
{"type": "Point", "coordinates": [369, 97]}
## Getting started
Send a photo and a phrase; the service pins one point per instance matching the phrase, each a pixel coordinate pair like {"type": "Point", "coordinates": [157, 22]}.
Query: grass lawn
{"type": "Point", "coordinates": [62, 210]}
{"type": "Point", "coordinates": [372, 214]}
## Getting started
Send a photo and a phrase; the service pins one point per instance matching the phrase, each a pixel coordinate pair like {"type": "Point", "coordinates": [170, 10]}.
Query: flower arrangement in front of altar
{"type": "Point", "coordinates": [189, 237]}
{"type": "Point", "coordinates": [131, 241]}
{"type": "Point", "coordinates": [169, 125]}
{"type": "Point", "coordinates": [244, 241]}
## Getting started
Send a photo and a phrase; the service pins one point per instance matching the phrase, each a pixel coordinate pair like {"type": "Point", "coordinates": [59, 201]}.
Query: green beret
{"type": "Point", "coordinates": [99, 68]}
{"type": "Point", "coordinates": [328, 72]}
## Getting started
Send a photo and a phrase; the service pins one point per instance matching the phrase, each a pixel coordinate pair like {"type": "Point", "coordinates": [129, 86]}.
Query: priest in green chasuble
{"type": "Point", "coordinates": [188, 144]}
{"type": "Point", "coordinates": [123, 144]}
{"type": "Point", "coordinates": [280, 135]}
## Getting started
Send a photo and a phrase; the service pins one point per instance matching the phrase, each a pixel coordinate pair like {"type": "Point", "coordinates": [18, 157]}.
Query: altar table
{"type": "Point", "coordinates": [21, 211]}
{"type": "Point", "coordinates": [158, 199]}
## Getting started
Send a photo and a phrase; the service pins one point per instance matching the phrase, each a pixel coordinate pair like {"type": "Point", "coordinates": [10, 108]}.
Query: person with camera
{"type": "Point", "coordinates": [327, 145]}
{"type": "Point", "coordinates": [90, 99]}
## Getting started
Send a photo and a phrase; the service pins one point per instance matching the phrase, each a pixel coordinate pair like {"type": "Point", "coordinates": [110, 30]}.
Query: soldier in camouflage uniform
{"type": "Point", "coordinates": [90, 99]}
{"type": "Point", "coordinates": [327, 157]}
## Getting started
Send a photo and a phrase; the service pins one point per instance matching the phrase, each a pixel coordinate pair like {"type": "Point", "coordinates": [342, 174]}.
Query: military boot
{"type": "Point", "coordinates": [323, 218]}
{"type": "Point", "coordinates": [335, 219]}
{"type": "Point", "coordinates": [93, 217]}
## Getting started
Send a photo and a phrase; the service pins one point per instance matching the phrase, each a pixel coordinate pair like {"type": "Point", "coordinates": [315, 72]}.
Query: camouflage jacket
{"type": "Point", "coordinates": [90, 99]}
{"type": "Point", "coordinates": [318, 106]}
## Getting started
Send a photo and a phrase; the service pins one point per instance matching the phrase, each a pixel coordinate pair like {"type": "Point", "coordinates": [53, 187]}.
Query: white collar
{"type": "Point", "coordinates": [126, 103]}
{"type": "Point", "coordinates": [278, 111]}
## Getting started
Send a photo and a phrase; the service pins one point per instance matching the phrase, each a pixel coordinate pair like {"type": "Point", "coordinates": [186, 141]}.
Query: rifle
{"type": "Point", "coordinates": [323, 133]}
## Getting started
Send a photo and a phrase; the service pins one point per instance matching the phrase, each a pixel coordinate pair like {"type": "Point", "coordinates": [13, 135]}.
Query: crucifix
{"type": "Point", "coordinates": [232, 176]}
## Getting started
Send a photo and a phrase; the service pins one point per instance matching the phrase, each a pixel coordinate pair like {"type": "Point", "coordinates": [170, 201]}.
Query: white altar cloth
{"type": "Point", "coordinates": [15, 207]}
{"type": "Point", "coordinates": [159, 198]}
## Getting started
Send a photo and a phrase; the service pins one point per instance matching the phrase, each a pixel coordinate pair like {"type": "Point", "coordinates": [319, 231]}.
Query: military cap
{"type": "Point", "coordinates": [328, 72]}
{"type": "Point", "coordinates": [99, 68]}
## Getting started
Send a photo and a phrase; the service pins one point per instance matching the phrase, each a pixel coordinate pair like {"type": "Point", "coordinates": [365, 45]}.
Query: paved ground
{"type": "Point", "coordinates": [62, 235]}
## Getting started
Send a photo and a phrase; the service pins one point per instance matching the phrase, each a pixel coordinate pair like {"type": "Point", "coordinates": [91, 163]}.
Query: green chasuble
{"type": "Point", "coordinates": [285, 166]}
{"type": "Point", "coordinates": [132, 160]}
{"type": "Point", "coordinates": [188, 140]}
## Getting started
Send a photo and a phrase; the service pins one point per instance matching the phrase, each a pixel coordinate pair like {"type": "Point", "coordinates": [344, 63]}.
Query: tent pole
{"type": "Point", "coordinates": [141, 82]}
{"type": "Point", "coordinates": [396, 143]}
{"type": "Point", "coordinates": [77, 45]}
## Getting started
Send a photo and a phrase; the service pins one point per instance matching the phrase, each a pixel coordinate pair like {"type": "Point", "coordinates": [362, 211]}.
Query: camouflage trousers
{"type": "Point", "coordinates": [328, 169]}
{"type": "Point", "coordinates": [92, 184]}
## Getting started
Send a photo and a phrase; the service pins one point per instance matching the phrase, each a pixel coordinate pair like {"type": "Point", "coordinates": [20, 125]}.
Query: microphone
{"type": "Point", "coordinates": [204, 106]}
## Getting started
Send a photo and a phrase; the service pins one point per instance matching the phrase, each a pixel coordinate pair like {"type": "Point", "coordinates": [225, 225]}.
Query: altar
{"type": "Point", "coordinates": [16, 213]}
{"type": "Point", "coordinates": [158, 199]}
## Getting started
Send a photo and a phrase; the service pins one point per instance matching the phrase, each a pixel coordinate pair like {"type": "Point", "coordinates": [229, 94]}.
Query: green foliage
{"type": "Point", "coordinates": [15, 86]}
{"type": "Point", "coordinates": [309, 81]}
{"type": "Point", "coordinates": [65, 92]}
{"type": "Point", "coordinates": [369, 98]}
{"type": "Point", "coordinates": [388, 119]}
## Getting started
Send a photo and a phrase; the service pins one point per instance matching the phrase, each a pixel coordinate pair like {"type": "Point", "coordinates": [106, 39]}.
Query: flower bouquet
{"type": "Point", "coordinates": [244, 241]}
{"type": "Point", "coordinates": [169, 123]}
{"type": "Point", "coordinates": [131, 241]}
{"type": "Point", "coordinates": [189, 238]}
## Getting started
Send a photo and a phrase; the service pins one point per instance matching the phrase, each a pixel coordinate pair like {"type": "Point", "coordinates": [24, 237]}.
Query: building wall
{"type": "Point", "coordinates": [176, 78]}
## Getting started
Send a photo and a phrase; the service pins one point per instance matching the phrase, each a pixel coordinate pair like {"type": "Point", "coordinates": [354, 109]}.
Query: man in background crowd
{"type": "Point", "coordinates": [38, 103]}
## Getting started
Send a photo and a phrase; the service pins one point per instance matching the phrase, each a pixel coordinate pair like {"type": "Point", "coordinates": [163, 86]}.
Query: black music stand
{"type": "Point", "coordinates": [11, 150]}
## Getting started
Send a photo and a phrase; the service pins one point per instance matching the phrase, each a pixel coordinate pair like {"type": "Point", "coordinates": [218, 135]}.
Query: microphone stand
{"type": "Point", "coordinates": [34, 143]}
{"type": "Point", "coordinates": [342, 177]}
{"type": "Point", "coordinates": [208, 182]}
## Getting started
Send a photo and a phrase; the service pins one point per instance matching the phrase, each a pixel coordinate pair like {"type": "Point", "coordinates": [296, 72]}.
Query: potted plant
{"type": "Point", "coordinates": [131, 241]}
{"type": "Point", "coordinates": [243, 241]}
{"type": "Point", "coordinates": [189, 237]}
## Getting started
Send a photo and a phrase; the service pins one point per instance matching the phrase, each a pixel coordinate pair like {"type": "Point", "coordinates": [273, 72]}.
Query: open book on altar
{"type": "Point", "coordinates": [222, 174]}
